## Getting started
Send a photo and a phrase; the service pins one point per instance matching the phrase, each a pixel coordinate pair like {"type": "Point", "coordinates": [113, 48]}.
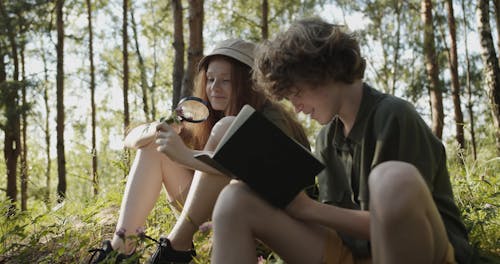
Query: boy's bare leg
{"type": "Point", "coordinates": [240, 215]}
{"type": "Point", "coordinates": [405, 224]}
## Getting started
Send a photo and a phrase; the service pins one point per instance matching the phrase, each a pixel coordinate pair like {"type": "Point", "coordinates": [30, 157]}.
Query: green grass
{"type": "Point", "coordinates": [64, 233]}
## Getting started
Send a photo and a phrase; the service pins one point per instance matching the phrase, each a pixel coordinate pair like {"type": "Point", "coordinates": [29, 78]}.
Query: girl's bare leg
{"type": "Point", "coordinates": [202, 196]}
{"type": "Point", "coordinates": [149, 171]}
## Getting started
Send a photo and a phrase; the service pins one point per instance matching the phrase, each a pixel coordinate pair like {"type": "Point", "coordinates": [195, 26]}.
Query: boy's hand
{"type": "Point", "coordinates": [300, 207]}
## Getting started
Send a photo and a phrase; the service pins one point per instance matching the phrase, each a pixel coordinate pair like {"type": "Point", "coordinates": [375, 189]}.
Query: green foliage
{"type": "Point", "coordinates": [476, 185]}
{"type": "Point", "coordinates": [243, 19]}
{"type": "Point", "coordinates": [65, 233]}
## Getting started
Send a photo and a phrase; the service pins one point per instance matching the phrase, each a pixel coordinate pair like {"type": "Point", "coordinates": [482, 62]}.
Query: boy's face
{"type": "Point", "coordinates": [320, 102]}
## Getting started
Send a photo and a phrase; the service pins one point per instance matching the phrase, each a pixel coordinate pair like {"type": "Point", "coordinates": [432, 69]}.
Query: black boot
{"type": "Point", "coordinates": [165, 254]}
{"type": "Point", "coordinates": [107, 254]}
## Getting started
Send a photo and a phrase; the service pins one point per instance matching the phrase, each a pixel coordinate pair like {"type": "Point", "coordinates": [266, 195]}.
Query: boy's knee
{"type": "Point", "coordinates": [395, 187]}
{"type": "Point", "coordinates": [231, 202]}
{"type": "Point", "coordinates": [393, 175]}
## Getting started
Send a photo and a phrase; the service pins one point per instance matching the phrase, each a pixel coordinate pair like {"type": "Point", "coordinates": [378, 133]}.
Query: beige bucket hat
{"type": "Point", "coordinates": [240, 50]}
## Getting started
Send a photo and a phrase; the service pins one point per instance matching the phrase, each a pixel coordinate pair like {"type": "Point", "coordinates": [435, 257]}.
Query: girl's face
{"type": "Point", "coordinates": [320, 102]}
{"type": "Point", "coordinates": [218, 85]}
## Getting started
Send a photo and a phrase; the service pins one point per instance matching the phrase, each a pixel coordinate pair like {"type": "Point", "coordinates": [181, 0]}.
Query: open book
{"type": "Point", "coordinates": [259, 153]}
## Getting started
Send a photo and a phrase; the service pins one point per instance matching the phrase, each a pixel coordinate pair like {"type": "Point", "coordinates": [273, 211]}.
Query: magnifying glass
{"type": "Point", "coordinates": [190, 109]}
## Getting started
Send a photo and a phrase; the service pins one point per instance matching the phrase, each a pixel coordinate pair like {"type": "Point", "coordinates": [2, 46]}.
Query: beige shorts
{"type": "Point", "coordinates": [337, 253]}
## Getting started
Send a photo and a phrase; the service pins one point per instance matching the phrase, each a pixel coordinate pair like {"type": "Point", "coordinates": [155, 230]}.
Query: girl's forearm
{"type": "Point", "coordinates": [140, 136]}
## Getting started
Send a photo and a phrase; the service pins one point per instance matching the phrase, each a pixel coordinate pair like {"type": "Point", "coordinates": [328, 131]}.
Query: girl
{"type": "Point", "coordinates": [224, 81]}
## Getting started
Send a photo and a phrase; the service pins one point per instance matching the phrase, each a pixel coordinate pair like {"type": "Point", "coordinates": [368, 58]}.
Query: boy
{"type": "Point", "coordinates": [385, 195]}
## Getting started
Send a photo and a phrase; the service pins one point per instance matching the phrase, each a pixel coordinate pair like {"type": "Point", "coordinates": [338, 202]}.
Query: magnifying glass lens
{"type": "Point", "coordinates": [190, 109]}
{"type": "Point", "coordinates": [193, 111]}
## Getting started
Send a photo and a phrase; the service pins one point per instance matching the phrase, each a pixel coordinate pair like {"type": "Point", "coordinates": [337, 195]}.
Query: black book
{"type": "Point", "coordinates": [259, 153]}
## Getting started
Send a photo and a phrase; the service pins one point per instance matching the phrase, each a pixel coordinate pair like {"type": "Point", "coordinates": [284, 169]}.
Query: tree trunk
{"type": "Point", "coordinates": [142, 68]}
{"type": "Point", "coordinates": [126, 115]}
{"type": "Point", "coordinates": [397, 8]}
{"type": "Point", "coordinates": [24, 146]}
{"type": "Point", "coordinates": [468, 84]}
{"type": "Point", "coordinates": [95, 176]}
{"type": "Point", "coordinates": [436, 97]}
{"type": "Point", "coordinates": [61, 159]}
{"type": "Point", "coordinates": [497, 20]}
{"type": "Point", "coordinates": [195, 50]}
{"type": "Point", "coordinates": [12, 143]}
{"type": "Point", "coordinates": [152, 87]}
{"type": "Point", "coordinates": [11, 133]}
{"type": "Point", "coordinates": [265, 19]}
{"type": "Point", "coordinates": [178, 44]}
{"type": "Point", "coordinates": [47, 127]}
{"type": "Point", "coordinates": [455, 87]}
{"type": "Point", "coordinates": [491, 70]}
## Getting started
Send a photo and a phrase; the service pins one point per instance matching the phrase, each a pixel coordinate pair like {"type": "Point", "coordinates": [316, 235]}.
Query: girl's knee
{"type": "Point", "coordinates": [218, 131]}
{"type": "Point", "coordinates": [221, 126]}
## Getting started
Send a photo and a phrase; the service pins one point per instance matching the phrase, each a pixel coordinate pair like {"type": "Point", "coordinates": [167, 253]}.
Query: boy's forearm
{"type": "Point", "coordinates": [353, 222]}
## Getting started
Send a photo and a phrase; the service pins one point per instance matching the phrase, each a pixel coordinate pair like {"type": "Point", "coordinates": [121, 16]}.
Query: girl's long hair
{"type": "Point", "coordinates": [243, 92]}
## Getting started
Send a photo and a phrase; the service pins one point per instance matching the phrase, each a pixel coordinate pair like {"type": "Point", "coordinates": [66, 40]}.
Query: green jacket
{"type": "Point", "coordinates": [386, 128]}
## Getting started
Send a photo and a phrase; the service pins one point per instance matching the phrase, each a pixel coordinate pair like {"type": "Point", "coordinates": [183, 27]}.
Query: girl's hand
{"type": "Point", "coordinates": [170, 143]}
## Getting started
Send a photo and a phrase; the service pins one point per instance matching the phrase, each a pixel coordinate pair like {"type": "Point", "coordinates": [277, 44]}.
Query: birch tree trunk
{"type": "Point", "coordinates": [496, 3]}
{"type": "Point", "coordinates": [491, 70]}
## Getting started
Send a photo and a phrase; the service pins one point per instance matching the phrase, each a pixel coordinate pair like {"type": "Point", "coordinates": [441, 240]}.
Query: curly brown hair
{"type": "Point", "coordinates": [311, 51]}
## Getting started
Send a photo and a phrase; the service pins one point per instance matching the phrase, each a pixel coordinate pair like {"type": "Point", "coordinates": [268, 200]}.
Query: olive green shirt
{"type": "Point", "coordinates": [386, 128]}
